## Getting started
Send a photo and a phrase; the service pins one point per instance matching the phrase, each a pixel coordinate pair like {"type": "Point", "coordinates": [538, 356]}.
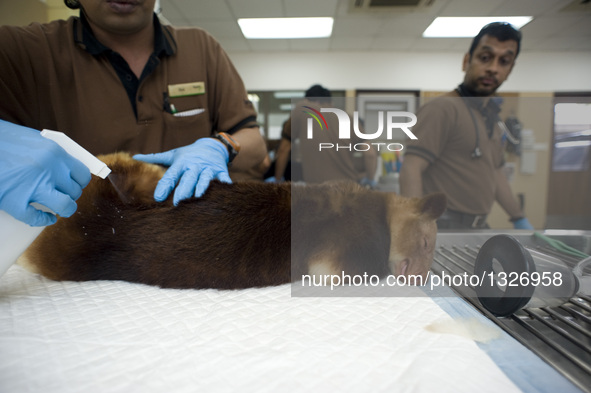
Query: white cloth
{"type": "Point", "coordinates": [120, 337]}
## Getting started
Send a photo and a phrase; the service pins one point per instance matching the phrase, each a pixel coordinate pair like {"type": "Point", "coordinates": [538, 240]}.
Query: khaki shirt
{"type": "Point", "coordinates": [48, 80]}
{"type": "Point", "coordinates": [446, 139]}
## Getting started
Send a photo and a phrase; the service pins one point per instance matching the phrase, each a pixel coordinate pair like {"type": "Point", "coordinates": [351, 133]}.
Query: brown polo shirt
{"type": "Point", "coordinates": [51, 78]}
{"type": "Point", "coordinates": [446, 130]}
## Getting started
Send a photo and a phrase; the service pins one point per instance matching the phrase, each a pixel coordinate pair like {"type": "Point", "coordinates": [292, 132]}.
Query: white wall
{"type": "Point", "coordinates": [535, 71]}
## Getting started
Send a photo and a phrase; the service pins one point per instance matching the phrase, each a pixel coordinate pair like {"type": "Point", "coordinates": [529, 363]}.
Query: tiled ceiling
{"type": "Point", "coordinates": [558, 25]}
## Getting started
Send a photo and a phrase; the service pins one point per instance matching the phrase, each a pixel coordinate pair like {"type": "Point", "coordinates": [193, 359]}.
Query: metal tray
{"type": "Point", "coordinates": [561, 336]}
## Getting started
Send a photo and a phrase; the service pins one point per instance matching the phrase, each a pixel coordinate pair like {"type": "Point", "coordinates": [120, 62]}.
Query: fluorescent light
{"type": "Point", "coordinates": [276, 28]}
{"type": "Point", "coordinates": [469, 26]}
{"type": "Point", "coordinates": [280, 95]}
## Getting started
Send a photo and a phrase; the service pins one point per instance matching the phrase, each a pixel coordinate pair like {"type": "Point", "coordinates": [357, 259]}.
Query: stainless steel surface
{"type": "Point", "coordinates": [561, 336]}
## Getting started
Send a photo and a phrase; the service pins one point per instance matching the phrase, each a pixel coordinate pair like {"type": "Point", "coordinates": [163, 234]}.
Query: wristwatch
{"type": "Point", "coordinates": [232, 146]}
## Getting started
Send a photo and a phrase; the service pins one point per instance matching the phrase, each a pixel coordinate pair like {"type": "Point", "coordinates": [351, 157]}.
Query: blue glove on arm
{"type": "Point", "coordinates": [366, 182]}
{"type": "Point", "coordinates": [34, 169]}
{"type": "Point", "coordinates": [192, 167]}
{"type": "Point", "coordinates": [522, 223]}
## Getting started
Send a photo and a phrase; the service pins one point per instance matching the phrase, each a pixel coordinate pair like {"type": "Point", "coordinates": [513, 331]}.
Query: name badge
{"type": "Point", "coordinates": [186, 89]}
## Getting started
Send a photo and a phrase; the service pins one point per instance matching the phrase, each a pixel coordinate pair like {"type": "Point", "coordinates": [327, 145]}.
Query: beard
{"type": "Point", "coordinates": [483, 86]}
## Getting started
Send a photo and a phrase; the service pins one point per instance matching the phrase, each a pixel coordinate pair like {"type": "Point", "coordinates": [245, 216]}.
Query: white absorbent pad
{"type": "Point", "coordinates": [108, 336]}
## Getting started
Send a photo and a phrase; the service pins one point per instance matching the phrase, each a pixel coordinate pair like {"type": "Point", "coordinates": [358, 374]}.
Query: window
{"type": "Point", "coordinates": [572, 137]}
{"type": "Point", "coordinates": [274, 109]}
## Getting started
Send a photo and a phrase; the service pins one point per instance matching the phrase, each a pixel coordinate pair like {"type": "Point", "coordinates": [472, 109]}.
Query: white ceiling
{"type": "Point", "coordinates": [554, 28]}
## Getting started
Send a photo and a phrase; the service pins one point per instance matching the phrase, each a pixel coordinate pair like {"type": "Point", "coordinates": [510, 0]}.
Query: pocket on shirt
{"type": "Point", "coordinates": [188, 106]}
{"type": "Point", "coordinates": [189, 112]}
{"type": "Point", "coordinates": [185, 129]}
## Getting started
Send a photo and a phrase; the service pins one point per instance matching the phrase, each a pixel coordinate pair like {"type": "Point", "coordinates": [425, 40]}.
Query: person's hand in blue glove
{"type": "Point", "coordinates": [34, 169]}
{"type": "Point", "coordinates": [192, 167]}
{"type": "Point", "coordinates": [366, 182]}
{"type": "Point", "coordinates": [522, 223]}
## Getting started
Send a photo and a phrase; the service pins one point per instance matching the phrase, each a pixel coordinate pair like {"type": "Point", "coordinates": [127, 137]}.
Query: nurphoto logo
{"type": "Point", "coordinates": [344, 131]}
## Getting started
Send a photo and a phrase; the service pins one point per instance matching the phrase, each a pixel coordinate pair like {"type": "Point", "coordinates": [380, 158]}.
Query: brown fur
{"type": "Point", "coordinates": [235, 236]}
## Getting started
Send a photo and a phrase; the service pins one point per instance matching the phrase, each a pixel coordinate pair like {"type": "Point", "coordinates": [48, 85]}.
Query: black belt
{"type": "Point", "coordinates": [455, 220]}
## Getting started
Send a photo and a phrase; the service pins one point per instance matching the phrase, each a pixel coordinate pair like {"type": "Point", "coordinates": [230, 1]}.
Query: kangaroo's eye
{"type": "Point", "coordinates": [425, 243]}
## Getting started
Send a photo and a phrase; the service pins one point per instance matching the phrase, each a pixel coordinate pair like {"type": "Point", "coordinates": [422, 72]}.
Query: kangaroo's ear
{"type": "Point", "coordinates": [433, 205]}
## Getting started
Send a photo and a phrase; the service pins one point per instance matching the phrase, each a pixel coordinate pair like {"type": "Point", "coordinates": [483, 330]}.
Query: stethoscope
{"type": "Point", "coordinates": [477, 153]}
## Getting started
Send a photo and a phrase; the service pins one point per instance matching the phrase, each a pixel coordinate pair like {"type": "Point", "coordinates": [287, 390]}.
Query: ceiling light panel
{"type": "Point", "coordinates": [286, 28]}
{"type": "Point", "coordinates": [468, 26]}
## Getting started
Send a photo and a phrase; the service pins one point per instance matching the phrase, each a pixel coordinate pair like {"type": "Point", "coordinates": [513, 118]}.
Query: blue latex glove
{"type": "Point", "coordinates": [522, 223]}
{"type": "Point", "coordinates": [34, 169]}
{"type": "Point", "coordinates": [192, 167]}
{"type": "Point", "coordinates": [272, 179]}
{"type": "Point", "coordinates": [368, 183]}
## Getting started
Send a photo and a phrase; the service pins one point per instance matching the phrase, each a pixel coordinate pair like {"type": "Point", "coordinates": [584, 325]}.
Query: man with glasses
{"type": "Point", "coordinates": [459, 149]}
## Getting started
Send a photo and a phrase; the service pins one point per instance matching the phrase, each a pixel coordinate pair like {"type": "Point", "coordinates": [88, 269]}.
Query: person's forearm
{"type": "Point", "coordinates": [504, 196]}
{"type": "Point", "coordinates": [370, 159]}
{"type": "Point", "coordinates": [411, 181]}
{"type": "Point", "coordinates": [283, 156]}
{"type": "Point", "coordinates": [253, 149]}
{"type": "Point", "coordinates": [410, 188]}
